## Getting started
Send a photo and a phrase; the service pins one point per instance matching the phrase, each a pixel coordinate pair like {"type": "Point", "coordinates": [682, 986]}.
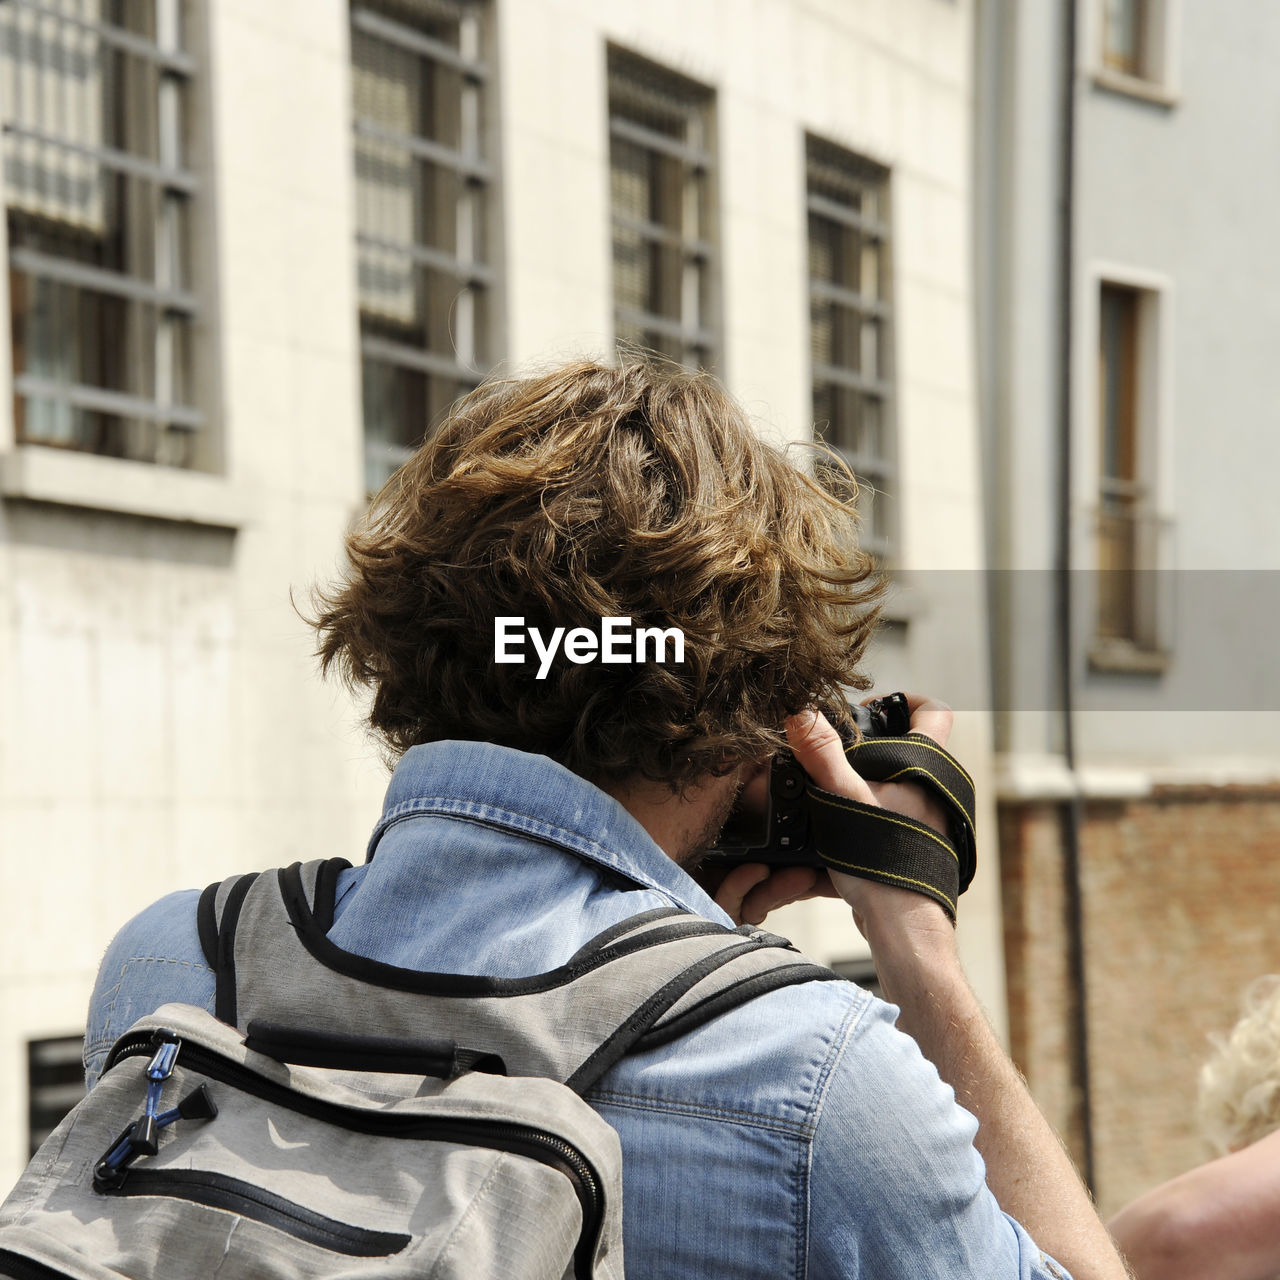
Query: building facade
{"type": "Point", "coordinates": [254, 250]}
{"type": "Point", "coordinates": [1129, 410]}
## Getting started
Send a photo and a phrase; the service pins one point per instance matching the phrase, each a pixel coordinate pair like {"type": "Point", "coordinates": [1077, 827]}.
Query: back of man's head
{"type": "Point", "coordinates": [590, 492]}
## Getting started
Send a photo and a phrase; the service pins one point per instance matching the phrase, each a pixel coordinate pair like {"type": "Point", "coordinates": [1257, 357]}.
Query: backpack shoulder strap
{"type": "Point", "coordinates": [713, 999]}
{"type": "Point", "coordinates": [702, 991]}
{"type": "Point", "coordinates": [218, 917]}
{"type": "Point", "coordinates": [276, 966]}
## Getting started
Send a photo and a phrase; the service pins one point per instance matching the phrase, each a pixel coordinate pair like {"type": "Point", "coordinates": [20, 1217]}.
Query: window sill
{"type": "Point", "coordinates": [1123, 658]}
{"type": "Point", "coordinates": [35, 473]}
{"type": "Point", "coordinates": [1135, 87]}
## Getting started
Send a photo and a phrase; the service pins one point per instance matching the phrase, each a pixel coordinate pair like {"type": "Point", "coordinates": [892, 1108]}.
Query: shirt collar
{"type": "Point", "coordinates": [534, 796]}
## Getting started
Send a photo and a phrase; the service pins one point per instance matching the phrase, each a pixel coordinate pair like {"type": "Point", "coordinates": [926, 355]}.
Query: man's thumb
{"type": "Point", "coordinates": [820, 753]}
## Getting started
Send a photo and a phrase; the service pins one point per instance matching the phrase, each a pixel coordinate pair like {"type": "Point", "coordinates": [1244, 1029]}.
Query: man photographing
{"type": "Point", "coordinates": [535, 804]}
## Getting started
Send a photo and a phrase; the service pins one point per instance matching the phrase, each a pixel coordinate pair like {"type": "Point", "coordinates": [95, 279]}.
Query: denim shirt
{"type": "Point", "coordinates": [799, 1135]}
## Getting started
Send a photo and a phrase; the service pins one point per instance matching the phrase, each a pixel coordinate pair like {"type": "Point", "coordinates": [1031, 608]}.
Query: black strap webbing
{"type": "Point", "coordinates": [879, 844]}
{"type": "Point", "coordinates": [620, 1043]}
{"type": "Point", "coordinates": [711, 1007]}
{"type": "Point", "coordinates": [224, 1008]}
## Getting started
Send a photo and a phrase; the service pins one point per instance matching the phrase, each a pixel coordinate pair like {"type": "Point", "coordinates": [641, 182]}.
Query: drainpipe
{"type": "Point", "coordinates": [1072, 809]}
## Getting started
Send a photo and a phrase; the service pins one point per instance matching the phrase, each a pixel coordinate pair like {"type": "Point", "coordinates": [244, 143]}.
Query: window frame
{"type": "Point", "coordinates": [875, 470]}
{"type": "Point", "coordinates": [167, 425]}
{"type": "Point", "coordinates": [465, 315]}
{"type": "Point", "coordinates": [1155, 77]}
{"type": "Point", "coordinates": [689, 315]}
{"type": "Point", "coordinates": [1146, 648]}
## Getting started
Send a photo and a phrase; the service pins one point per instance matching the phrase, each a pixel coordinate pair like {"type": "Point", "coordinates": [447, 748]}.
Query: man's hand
{"type": "Point", "coordinates": [751, 890]}
{"type": "Point", "coordinates": [879, 909]}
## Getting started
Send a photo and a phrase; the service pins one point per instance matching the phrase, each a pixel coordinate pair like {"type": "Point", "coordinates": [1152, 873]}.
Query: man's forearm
{"type": "Point", "coordinates": [1027, 1168]}
{"type": "Point", "coordinates": [914, 947]}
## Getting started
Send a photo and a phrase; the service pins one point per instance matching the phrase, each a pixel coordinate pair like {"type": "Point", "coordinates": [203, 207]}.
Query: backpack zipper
{"type": "Point", "coordinates": [524, 1140]}
{"type": "Point", "coordinates": [219, 1191]}
{"type": "Point", "coordinates": [17, 1266]}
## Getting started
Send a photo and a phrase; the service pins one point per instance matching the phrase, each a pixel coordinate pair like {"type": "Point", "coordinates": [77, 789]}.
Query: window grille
{"type": "Point", "coordinates": [661, 160]}
{"type": "Point", "coordinates": [422, 189]}
{"type": "Point", "coordinates": [94, 101]}
{"type": "Point", "coordinates": [850, 319]}
{"type": "Point", "coordinates": [55, 1080]}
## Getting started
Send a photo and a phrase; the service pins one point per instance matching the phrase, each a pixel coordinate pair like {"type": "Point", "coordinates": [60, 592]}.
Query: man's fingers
{"type": "Point", "coordinates": [930, 717]}
{"type": "Point", "coordinates": [750, 891]}
{"type": "Point", "coordinates": [820, 753]}
{"type": "Point", "coordinates": [783, 886]}
{"type": "Point", "coordinates": [736, 884]}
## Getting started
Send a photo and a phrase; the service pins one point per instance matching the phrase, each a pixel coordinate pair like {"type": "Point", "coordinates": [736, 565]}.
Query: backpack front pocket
{"type": "Point", "coordinates": [219, 1191]}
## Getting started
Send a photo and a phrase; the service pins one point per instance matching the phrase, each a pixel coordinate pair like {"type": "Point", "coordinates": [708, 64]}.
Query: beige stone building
{"type": "Point", "coordinates": [254, 249]}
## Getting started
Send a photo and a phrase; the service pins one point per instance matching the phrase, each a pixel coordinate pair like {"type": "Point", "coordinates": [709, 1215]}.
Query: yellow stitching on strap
{"type": "Point", "coordinates": [875, 871]}
{"type": "Point", "coordinates": [910, 824]}
{"type": "Point", "coordinates": [918, 739]}
{"type": "Point", "coordinates": [918, 768]}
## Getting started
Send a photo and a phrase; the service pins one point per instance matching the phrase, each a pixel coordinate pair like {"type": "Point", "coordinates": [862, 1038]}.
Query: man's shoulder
{"type": "Point", "coordinates": [768, 1061]}
{"type": "Point", "coordinates": [153, 959]}
{"type": "Point", "coordinates": [165, 930]}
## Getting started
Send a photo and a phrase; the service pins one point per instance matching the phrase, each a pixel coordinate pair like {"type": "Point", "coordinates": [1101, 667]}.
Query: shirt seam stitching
{"type": "Point", "coordinates": [730, 1115]}
{"type": "Point", "coordinates": [106, 1036]}
{"type": "Point", "coordinates": [804, 1169]}
{"type": "Point", "coordinates": [839, 1044]}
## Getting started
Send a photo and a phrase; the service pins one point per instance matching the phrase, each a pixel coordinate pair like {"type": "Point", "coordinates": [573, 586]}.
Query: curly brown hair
{"type": "Point", "coordinates": [596, 491]}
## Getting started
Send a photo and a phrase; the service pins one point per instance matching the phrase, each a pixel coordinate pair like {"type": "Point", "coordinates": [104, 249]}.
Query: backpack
{"type": "Point", "coordinates": [341, 1117]}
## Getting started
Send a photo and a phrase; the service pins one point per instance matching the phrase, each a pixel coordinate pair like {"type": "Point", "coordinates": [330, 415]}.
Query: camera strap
{"type": "Point", "coordinates": [879, 844]}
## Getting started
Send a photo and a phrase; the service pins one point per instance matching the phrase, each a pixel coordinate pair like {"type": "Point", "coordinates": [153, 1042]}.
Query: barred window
{"type": "Point", "coordinates": [850, 319]}
{"type": "Point", "coordinates": [422, 191]}
{"type": "Point", "coordinates": [55, 1079]}
{"type": "Point", "coordinates": [661, 161]}
{"type": "Point", "coordinates": [94, 97]}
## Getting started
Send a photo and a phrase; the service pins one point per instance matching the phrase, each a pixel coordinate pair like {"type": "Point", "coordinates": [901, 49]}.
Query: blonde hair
{"type": "Point", "coordinates": [1240, 1084]}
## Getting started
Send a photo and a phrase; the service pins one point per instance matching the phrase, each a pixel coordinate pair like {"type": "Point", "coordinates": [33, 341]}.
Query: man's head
{"type": "Point", "coordinates": [638, 491]}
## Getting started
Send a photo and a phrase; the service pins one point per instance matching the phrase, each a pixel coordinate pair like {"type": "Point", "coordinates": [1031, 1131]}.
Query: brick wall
{"type": "Point", "coordinates": [1181, 905]}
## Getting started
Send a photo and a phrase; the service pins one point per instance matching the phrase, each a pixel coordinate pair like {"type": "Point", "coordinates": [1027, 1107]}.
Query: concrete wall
{"type": "Point", "coordinates": [1176, 764]}
{"type": "Point", "coordinates": [1174, 195]}
{"type": "Point", "coordinates": [160, 721]}
{"type": "Point", "coordinates": [1168, 196]}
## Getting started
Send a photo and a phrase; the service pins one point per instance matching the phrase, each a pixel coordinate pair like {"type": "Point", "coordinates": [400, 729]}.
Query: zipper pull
{"type": "Point", "coordinates": [140, 1138]}
{"type": "Point", "coordinates": [166, 1055]}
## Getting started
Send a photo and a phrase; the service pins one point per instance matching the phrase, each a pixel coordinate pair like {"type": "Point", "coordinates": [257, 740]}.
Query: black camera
{"type": "Point", "coordinates": [779, 836]}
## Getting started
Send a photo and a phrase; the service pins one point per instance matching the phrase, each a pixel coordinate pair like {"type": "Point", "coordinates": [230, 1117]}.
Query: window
{"type": "Point", "coordinates": [1128, 530]}
{"type": "Point", "coordinates": [423, 193]}
{"type": "Point", "coordinates": [1136, 53]}
{"type": "Point", "coordinates": [55, 1081]}
{"type": "Point", "coordinates": [850, 327]}
{"type": "Point", "coordinates": [94, 98]}
{"type": "Point", "coordinates": [663, 200]}
{"type": "Point", "coordinates": [1123, 30]}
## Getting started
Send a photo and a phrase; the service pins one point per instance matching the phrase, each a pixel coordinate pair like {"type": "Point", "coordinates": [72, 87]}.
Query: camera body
{"type": "Point", "coordinates": [780, 836]}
